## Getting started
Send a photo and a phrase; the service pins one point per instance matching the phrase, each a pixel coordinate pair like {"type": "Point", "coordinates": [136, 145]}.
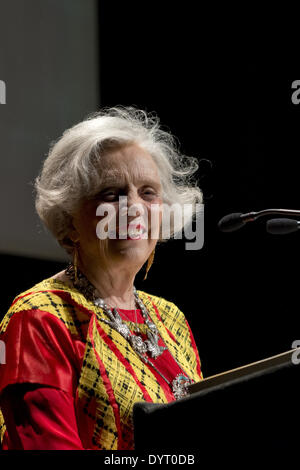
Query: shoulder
{"type": "Point", "coordinates": [42, 341]}
{"type": "Point", "coordinates": [154, 298]}
{"type": "Point", "coordinates": [47, 300]}
{"type": "Point", "coordinates": [167, 309]}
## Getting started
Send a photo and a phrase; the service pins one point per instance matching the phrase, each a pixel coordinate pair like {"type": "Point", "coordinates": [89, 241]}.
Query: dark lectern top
{"type": "Point", "coordinates": [253, 410]}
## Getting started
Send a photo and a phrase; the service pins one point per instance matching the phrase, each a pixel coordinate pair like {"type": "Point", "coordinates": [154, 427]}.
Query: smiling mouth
{"type": "Point", "coordinates": [133, 232]}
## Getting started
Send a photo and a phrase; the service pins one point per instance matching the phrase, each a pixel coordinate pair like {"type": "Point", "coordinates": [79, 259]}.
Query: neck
{"type": "Point", "coordinates": [114, 286]}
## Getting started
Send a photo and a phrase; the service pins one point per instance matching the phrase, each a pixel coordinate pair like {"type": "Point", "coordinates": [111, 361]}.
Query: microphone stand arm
{"type": "Point", "coordinates": [250, 216]}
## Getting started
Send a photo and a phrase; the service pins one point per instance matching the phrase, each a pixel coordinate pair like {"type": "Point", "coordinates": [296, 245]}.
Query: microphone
{"type": "Point", "coordinates": [282, 226]}
{"type": "Point", "coordinates": [235, 221]}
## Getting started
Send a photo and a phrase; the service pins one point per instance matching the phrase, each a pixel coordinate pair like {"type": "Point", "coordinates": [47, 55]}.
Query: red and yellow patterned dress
{"type": "Point", "coordinates": [81, 377]}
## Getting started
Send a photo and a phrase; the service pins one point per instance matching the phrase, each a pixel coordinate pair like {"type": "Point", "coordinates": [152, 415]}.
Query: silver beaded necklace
{"type": "Point", "coordinates": [135, 326]}
{"type": "Point", "coordinates": [141, 347]}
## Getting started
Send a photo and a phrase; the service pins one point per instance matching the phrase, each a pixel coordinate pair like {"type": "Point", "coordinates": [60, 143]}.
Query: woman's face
{"type": "Point", "coordinates": [125, 171]}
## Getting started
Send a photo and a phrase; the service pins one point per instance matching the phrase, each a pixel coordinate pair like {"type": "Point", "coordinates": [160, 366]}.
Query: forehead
{"type": "Point", "coordinates": [130, 163]}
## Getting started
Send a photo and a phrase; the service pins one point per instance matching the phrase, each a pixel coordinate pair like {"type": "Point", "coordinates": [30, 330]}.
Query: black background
{"type": "Point", "coordinates": [219, 87]}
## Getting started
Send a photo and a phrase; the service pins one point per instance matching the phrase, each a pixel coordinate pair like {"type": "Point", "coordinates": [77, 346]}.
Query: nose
{"type": "Point", "coordinates": [135, 205]}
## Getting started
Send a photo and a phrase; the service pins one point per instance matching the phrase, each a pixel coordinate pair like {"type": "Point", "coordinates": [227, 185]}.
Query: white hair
{"type": "Point", "coordinates": [70, 172]}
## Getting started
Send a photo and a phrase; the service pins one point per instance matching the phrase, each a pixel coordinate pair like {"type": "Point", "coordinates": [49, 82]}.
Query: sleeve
{"type": "Point", "coordinates": [174, 316]}
{"type": "Point", "coordinates": [192, 340]}
{"type": "Point", "coordinates": [195, 349]}
{"type": "Point", "coordinates": [39, 350]}
{"type": "Point", "coordinates": [39, 418]}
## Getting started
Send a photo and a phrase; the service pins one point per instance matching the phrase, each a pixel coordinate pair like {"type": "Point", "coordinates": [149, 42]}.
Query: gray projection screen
{"type": "Point", "coordinates": [49, 66]}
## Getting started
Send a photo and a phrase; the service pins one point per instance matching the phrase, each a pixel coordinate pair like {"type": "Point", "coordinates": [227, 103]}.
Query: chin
{"type": "Point", "coordinates": [136, 252]}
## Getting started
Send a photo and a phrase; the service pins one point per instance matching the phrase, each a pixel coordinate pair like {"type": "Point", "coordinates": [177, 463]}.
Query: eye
{"type": "Point", "coordinates": [107, 196]}
{"type": "Point", "coordinates": [150, 193]}
{"type": "Point", "coordinates": [149, 190]}
{"type": "Point", "coordinates": [110, 195]}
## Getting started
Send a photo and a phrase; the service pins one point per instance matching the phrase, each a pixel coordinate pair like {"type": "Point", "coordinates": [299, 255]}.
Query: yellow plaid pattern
{"type": "Point", "coordinates": [112, 377]}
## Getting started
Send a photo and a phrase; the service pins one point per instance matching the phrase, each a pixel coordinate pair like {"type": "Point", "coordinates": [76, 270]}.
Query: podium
{"type": "Point", "coordinates": [254, 409]}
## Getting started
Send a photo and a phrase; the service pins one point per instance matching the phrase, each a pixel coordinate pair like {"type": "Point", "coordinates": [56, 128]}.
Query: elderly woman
{"type": "Point", "coordinates": [84, 345]}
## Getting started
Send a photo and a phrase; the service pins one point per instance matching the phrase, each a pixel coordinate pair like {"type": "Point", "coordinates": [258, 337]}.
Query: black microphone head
{"type": "Point", "coordinates": [282, 226]}
{"type": "Point", "coordinates": [231, 222]}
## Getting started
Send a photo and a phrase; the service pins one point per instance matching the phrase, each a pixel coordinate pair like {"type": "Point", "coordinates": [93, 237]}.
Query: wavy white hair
{"type": "Point", "coordinates": [70, 172]}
